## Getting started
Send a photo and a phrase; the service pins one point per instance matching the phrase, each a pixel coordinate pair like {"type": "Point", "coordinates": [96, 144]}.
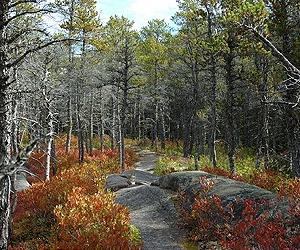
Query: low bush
{"type": "Point", "coordinates": [93, 222]}
{"type": "Point", "coordinates": [241, 224]}
{"type": "Point", "coordinates": [169, 164]}
{"type": "Point", "coordinates": [73, 210]}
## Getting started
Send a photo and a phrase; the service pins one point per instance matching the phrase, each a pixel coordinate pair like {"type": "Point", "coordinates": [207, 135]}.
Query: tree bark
{"type": "Point", "coordinates": [213, 95]}
{"type": "Point", "coordinates": [231, 138]}
{"type": "Point", "coordinates": [91, 124]}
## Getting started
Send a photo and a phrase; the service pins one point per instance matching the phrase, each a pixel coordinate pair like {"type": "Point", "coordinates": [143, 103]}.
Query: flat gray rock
{"type": "Point", "coordinates": [115, 182]}
{"type": "Point", "coordinates": [151, 208]}
{"type": "Point", "coordinates": [147, 161]}
{"type": "Point", "coordinates": [154, 214]}
{"type": "Point", "coordinates": [140, 177]}
{"type": "Point", "coordinates": [228, 190]}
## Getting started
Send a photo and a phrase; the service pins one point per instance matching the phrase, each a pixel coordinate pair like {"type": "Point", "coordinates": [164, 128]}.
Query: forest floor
{"type": "Point", "coordinates": [151, 208]}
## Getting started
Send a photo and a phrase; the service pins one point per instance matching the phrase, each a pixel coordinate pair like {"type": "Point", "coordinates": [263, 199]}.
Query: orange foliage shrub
{"type": "Point", "coordinates": [267, 179]}
{"type": "Point", "coordinates": [223, 172]}
{"type": "Point", "coordinates": [73, 204]}
{"type": "Point", "coordinates": [42, 198]}
{"type": "Point", "coordinates": [290, 188]}
{"type": "Point", "coordinates": [92, 222]}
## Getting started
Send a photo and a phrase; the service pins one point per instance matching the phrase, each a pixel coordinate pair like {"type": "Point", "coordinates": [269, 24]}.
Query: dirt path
{"type": "Point", "coordinates": [151, 207]}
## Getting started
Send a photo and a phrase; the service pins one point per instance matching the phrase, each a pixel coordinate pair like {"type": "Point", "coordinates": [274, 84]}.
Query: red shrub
{"type": "Point", "coordinates": [223, 172]}
{"type": "Point", "coordinates": [50, 214]}
{"type": "Point", "coordinates": [290, 188]}
{"type": "Point", "coordinates": [267, 179]}
{"type": "Point", "coordinates": [92, 222]}
{"type": "Point", "coordinates": [209, 220]}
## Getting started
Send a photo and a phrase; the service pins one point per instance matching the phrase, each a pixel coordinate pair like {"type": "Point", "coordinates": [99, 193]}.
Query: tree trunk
{"type": "Point", "coordinates": [14, 128]}
{"type": "Point", "coordinates": [91, 124]}
{"type": "Point", "coordinates": [70, 126]}
{"type": "Point", "coordinates": [213, 101]}
{"type": "Point", "coordinates": [139, 121]}
{"type": "Point", "coordinates": [113, 127]}
{"type": "Point", "coordinates": [50, 117]}
{"type": "Point", "coordinates": [101, 122]}
{"type": "Point", "coordinates": [163, 128]}
{"type": "Point", "coordinates": [70, 54]}
{"type": "Point", "coordinates": [156, 126]}
{"type": "Point", "coordinates": [5, 185]}
{"type": "Point", "coordinates": [231, 141]}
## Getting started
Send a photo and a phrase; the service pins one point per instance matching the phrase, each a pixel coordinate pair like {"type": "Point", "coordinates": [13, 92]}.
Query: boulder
{"type": "Point", "coordinates": [115, 182]}
{"type": "Point", "coordinates": [153, 212]}
{"type": "Point", "coordinates": [228, 190]}
{"type": "Point", "coordinates": [140, 177]}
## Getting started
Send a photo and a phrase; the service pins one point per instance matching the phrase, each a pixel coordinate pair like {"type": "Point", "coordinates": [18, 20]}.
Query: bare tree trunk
{"type": "Point", "coordinates": [5, 185]}
{"type": "Point", "coordinates": [80, 129]}
{"type": "Point", "coordinates": [70, 53]}
{"type": "Point", "coordinates": [186, 137]}
{"type": "Point", "coordinates": [291, 98]}
{"type": "Point", "coordinates": [113, 128]}
{"type": "Point", "coordinates": [50, 117]}
{"type": "Point", "coordinates": [14, 127]}
{"type": "Point", "coordinates": [54, 158]}
{"type": "Point", "coordinates": [200, 142]}
{"type": "Point", "coordinates": [139, 121]}
{"type": "Point", "coordinates": [163, 128]}
{"type": "Point", "coordinates": [70, 126]}
{"type": "Point", "coordinates": [231, 141]}
{"type": "Point", "coordinates": [91, 123]}
{"type": "Point", "coordinates": [49, 144]}
{"type": "Point", "coordinates": [156, 125]}
{"type": "Point", "coordinates": [101, 122]}
{"type": "Point", "coordinates": [264, 98]}
{"type": "Point", "coordinates": [213, 102]}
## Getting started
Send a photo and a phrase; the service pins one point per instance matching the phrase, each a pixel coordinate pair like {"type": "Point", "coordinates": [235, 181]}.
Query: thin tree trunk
{"type": "Point", "coordinates": [15, 127]}
{"type": "Point", "coordinates": [231, 142]}
{"type": "Point", "coordinates": [163, 128]}
{"type": "Point", "coordinates": [113, 128]}
{"type": "Point", "coordinates": [70, 54]}
{"type": "Point", "coordinates": [213, 102]}
{"type": "Point", "coordinates": [91, 124]}
{"type": "Point", "coordinates": [70, 126]}
{"type": "Point", "coordinates": [50, 140]}
{"type": "Point", "coordinates": [139, 121]}
{"type": "Point", "coordinates": [156, 126]}
{"type": "Point", "coordinates": [101, 122]}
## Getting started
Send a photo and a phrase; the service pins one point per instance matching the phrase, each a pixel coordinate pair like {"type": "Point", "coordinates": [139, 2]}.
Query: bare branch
{"type": "Point", "coordinates": [21, 2]}
{"type": "Point", "coordinates": [267, 43]}
{"type": "Point", "coordinates": [25, 32]}
{"type": "Point", "coordinates": [24, 14]}
{"type": "Point", "coordinates": [18, 60]}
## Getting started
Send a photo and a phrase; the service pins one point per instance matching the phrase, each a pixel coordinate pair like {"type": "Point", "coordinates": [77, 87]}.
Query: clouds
{"type": "Point", "coordinates": [144, 10]}
{"type": "Point", "coordinates": [140, 11]}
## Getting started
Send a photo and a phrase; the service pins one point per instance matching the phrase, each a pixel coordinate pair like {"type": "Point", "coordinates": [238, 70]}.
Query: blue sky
{"type": "Point", "coordinates": [140, 11]}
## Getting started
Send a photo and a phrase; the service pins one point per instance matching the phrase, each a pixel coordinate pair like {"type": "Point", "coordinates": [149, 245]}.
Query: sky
{"type": "Point", "coordinates": [140, 11]}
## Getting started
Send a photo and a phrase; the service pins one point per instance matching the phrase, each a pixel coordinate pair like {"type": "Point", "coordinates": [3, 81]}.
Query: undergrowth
{"type": "Point", "coordinates": [73, 210]}
{"type": "Point", "coordinates": [241, 224]}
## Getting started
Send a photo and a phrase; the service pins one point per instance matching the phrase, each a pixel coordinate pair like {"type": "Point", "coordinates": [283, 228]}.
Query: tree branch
{"type": "Point", "coordinates": [18, 60]}
{"type": "Point", "coordinates": [21, 2]}
{"type": "Point", "coordinates": [24, 32]}
{"type": "Point", "coordinates": [23, 14]}
{"type": "Point", "coordinates": [269, 45]}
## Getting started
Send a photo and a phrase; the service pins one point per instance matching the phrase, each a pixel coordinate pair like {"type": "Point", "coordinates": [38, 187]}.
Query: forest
{"type": "Point", "coordinates": [216, 90]}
